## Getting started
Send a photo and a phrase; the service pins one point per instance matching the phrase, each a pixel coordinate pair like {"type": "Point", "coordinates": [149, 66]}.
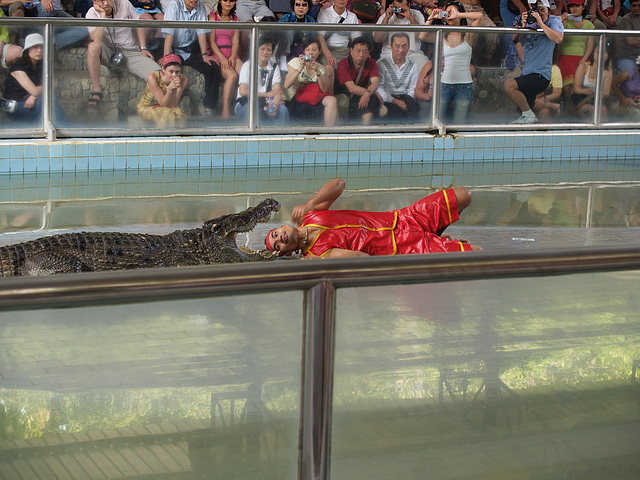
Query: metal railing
{"type": "Point", "coordinates": [52, 131]}
{"type": "Point", "coordinates": [319, 280]}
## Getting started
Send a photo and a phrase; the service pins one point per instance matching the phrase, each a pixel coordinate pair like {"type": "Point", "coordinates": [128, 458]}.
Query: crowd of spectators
{"type": "Point", "coordinates": [339, 76]}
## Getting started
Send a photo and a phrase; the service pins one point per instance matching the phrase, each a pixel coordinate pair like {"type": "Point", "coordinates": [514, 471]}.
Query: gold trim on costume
{"type": "Point", "coordinates": [446, 199]}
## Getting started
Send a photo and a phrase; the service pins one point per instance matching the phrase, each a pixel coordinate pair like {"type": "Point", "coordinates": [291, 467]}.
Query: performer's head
{"type": "Point", "coordinates": [284, 240]}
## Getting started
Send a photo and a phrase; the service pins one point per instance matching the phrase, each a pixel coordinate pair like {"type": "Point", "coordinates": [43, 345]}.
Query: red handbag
{"type": "Point", "coordinates": [310, 93]}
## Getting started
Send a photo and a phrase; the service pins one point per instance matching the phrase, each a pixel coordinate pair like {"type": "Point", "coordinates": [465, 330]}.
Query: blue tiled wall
{"type": "Point", "coordinates": [77, 169]}
{"type": "Point", "coordinates": [170, 153]}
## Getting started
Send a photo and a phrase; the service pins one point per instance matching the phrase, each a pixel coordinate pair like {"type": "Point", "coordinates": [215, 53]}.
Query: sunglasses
{"type": "Point", "coordinates": [301, 4]}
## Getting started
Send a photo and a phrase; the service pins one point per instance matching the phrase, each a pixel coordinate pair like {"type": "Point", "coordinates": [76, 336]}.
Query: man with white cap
{"type": "Point", "coordinates": [538, 58]}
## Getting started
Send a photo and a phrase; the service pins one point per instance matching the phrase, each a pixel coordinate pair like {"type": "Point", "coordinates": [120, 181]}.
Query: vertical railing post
{"type": "Point", "coordinates": [437, 74]}
{"type": "Point", "coordinates": [317, 382]}
{"type": "Point", "coordinates": [47, 94]}
{"type": "Point", "coordinates": [597, 100]}
{"type": "Point", "coordinates": [253, 79]}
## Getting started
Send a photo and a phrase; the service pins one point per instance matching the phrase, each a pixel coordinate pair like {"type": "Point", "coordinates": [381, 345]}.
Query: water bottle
{"type": "Point", "coordinates": [271, 107]}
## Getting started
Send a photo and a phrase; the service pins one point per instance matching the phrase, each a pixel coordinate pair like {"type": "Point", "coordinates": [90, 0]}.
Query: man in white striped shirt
{"type": "Point", "coordinates": [398, 79]}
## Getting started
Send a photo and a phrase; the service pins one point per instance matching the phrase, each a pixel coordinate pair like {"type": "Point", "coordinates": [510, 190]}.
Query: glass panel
{"type": "Point", "coordinates": [477, 96]}
{"type": "Point", "coordinates": [272, 71]}
{"type": "Point", "coordinates": [205, 388]}
{"type": "Point", "coordinates": [508, 378]}
{"type": "Point", "coordinates": [71, 86]}
{"type": "Point", "coordinates": [19, 108]}
{"type": "Point", "coordinates": [624, 104]}
{"type": "Point", "coordinates": [204, 93]}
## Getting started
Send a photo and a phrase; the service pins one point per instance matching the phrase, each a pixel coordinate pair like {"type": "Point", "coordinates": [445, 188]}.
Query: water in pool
{"type": "Point", "coordinates": [496, 378]}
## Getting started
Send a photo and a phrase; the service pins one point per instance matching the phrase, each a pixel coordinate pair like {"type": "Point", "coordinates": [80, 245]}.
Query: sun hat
{"type": "Point", "coordinates": [545, 3]}
{"type": "Point", "coordinates": [33, 40]}
{"type": "Point", "coordinates": [171, 58]}
{"type": "Point", "coordinates": [575, 2]}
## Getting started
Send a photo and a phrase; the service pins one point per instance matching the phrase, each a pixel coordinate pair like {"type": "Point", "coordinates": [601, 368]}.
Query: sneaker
{"type": "Point", "coordinates": [526, 119]}
{"type": "Point", "coordinates": [8, 106]}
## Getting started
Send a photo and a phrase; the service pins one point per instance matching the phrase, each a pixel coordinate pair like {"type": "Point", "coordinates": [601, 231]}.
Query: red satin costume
{"type": "Point", "coordinates": [407, 230]}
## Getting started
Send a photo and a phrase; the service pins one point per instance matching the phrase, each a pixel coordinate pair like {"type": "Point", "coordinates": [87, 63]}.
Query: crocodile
{"type": "Point", "coordinates": [214, 242]}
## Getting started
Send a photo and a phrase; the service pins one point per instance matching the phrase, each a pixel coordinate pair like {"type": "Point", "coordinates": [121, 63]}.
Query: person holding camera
{"type": "Point", "coordinates": [400, 13]}
{"type": "Point", "coordinates": [306, 87]}
{"type": "Point", "coordinates": [115, 45]}
{"type": "Point", "coordinates": [456, 93]}
{"type": "Point", "coordinates": [538, 58]}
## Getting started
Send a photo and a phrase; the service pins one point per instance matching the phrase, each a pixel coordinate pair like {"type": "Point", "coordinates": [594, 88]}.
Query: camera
{"type": "Point", "coordinates": [307, 58]}
{"type": "Point", "coordinates": [443, 14]}
{"type": "Point", "coordinates": [117, 58]}
{"type": "Point", "coordinates": [531, 20]}
{"type": "Point", "coordinates": [397, 10]}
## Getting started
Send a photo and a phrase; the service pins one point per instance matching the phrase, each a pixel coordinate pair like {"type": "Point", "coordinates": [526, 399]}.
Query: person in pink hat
{"type": "Point", "coordinates": [159, 102]}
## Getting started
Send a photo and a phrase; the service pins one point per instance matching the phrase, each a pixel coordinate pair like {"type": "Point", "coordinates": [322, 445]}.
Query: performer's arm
{"type": "Point", "coordinates": [342, 253]}
{"type": "Point", "coordinates": [322, 200]}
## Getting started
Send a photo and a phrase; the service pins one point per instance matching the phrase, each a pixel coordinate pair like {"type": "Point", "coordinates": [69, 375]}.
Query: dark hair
{"type": "Point", "coordinates": [264, 39]}
{"type": "Point", "coordinates": [170, 64]}
{"type": "Point", "coordinates": [584, 5]}
{"type": "Point", "coordinates": [608, 48]}
{"type": "Point", "coordinates": [269, 18]}
{"type": "Point", "coordinates": [362, 39]}
{"type": "Point", "coordinates": [461, 9]}
{"type": "Point", "coordinates": [399, 34]}
{"type": "Point", "coordinates": [25, 54]}
{"type": "Point", "coordinates": [310, 41]}
{"type": "Point", "coordinates": [293, 4]}
{"type": "Point", "coordinates": [232, 12]}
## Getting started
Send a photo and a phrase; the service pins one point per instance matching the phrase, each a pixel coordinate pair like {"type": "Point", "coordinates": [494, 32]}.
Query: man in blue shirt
{"type": "Point", "coordinates": [191, 45]}
{"type": "Point", "coordinates": [538, 58]}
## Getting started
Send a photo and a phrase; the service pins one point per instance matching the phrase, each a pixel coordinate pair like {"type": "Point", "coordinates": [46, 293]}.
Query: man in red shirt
{"type": "Point", "coordinates": [358, 79]}
{"type": "Point", "coordinates": [328, 233]}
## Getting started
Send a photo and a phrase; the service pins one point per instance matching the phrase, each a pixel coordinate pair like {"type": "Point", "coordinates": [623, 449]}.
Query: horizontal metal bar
{"type": "Point", "coordinates": [282, 275]}
{"type": "Point", "coordinates": [277, 26]}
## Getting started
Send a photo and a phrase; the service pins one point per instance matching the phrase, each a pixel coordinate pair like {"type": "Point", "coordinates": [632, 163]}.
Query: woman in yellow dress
{"type": "Point", "coordinates": [159, 102]}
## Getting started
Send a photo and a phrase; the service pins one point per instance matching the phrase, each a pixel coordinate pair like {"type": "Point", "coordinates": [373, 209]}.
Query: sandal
{"type": "Point", "coordinates": [93, 102]}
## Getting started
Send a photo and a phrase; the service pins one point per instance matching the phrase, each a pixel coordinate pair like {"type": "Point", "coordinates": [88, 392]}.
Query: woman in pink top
{"type": "Point", "coordinates": [225, 44]}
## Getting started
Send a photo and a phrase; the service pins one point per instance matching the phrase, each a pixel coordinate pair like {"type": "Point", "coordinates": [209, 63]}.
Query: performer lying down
{"type": "Point", "coordinates": [328, 233]}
